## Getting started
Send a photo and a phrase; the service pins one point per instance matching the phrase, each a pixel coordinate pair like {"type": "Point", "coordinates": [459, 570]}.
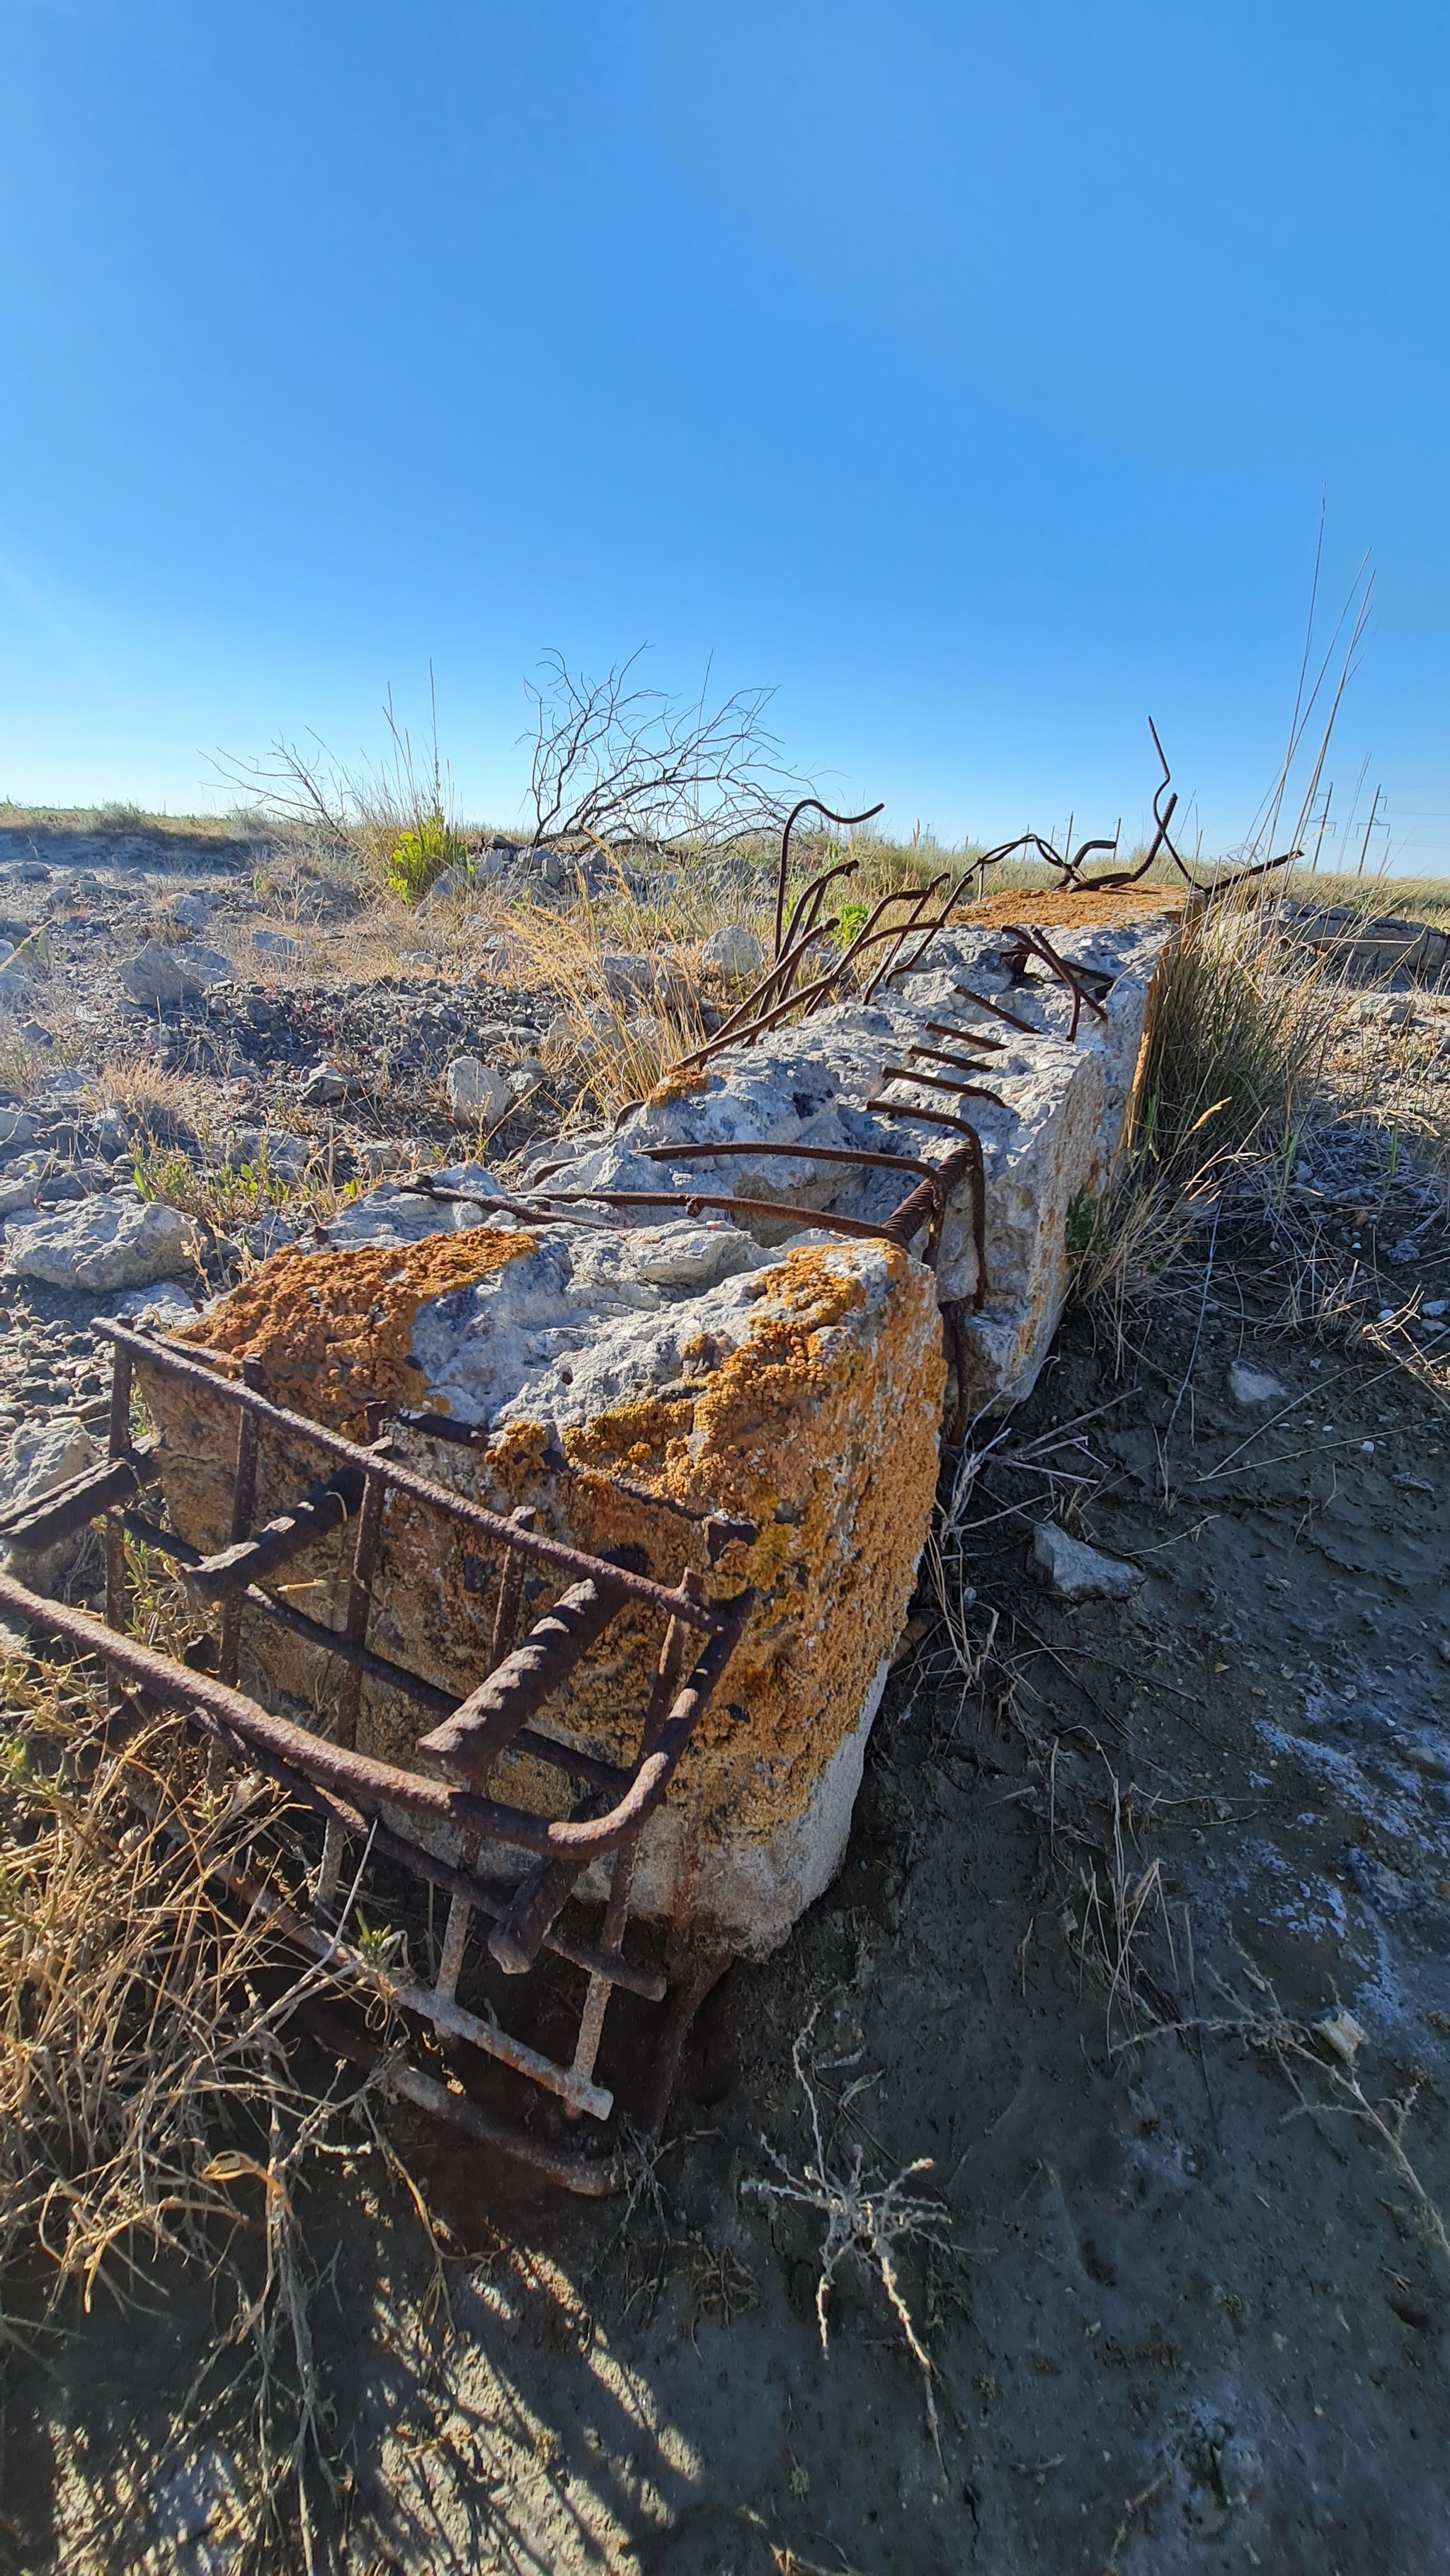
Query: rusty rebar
{"type": "Point", "coordinates": [939, 1082]}
{"type": "Point", "coordinates": [66, 1508]}
{"type": "Point", "coordinates": [364, 1661]}
{"type": "Point", "coordinates": [984, 1002]}
{"type": "Point", "coordinates": [974, 1166]}
{"type": "Point", "coordinates": [807, 805]}
{"type": "Point", "coordinates": [596, 1959]}
{"type": "Point", "coordinates": [547, 1552]}
{"type": "Point", "coordinates": [888, 974]}
{"type": "Point", "coordinates": [959, 1063]}
{"type": "Point", "coordinates": [970, 1037]}
{"type": "Point", "coordinates": [370, 1784]}
{"type": "Point", "coordinates": [322, 1509]}
{"type": "Point", "coordinates": [803, 1153]}
{"type": "Point", "coordinates": [1035, 943]}
{"type": "Point", "coordinates": [689, 1200]}
{"type": "Point", "coordinates": [469, 1742]}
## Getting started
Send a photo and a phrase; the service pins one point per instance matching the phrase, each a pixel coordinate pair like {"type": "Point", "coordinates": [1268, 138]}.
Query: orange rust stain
{"type": "Point", "coordinates": [332, 1330]}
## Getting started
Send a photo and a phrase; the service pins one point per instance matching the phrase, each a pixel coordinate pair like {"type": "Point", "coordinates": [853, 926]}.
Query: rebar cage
{"type": "Point", "coordinates": [373, 1812]}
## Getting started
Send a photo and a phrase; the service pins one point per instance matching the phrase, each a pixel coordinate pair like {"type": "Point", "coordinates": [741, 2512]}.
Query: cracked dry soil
{"type": "Point", "coordinates": [1190, 2314]}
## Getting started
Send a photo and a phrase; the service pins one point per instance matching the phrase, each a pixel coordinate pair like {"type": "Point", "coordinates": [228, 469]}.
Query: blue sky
{"type": "Point", "coordinates": [973, 374]}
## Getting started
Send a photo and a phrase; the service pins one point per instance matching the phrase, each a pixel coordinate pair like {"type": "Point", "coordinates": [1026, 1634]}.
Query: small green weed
{"type": "Point", "coordinates": [420, 855]}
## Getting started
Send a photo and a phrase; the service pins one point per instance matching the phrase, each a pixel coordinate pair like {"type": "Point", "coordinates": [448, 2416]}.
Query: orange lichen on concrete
{"type": "Point", "coordinates": [332, 1331]}
{"type": "Point", "coordinates": [1057, 907]}
{"type": "Point", "coordinates": [677, 1086]}
{"type": "Point", "coordinates": [822, 1428]}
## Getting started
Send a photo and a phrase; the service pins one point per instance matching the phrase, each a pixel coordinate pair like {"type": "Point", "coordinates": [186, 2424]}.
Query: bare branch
{"type": "Point", "coordinates": [626, 765]}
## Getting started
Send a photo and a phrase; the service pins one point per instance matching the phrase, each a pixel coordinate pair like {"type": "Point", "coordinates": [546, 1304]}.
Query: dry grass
{"type": "Point", "coordinates": [130, 2037]}
{"type": "Point", "coordinates": [155, 1099]}
{"type": "Point", "coordinates": [1258, 1044]}
{"type": "Point", "coordinates": [147, 2109]}
{"type": "Point", "coordinates": [225, 829]}
{"type": "Point", "coordinates": [1243, 1039]}
{"type": "Point", "coordinates": [1319, 2061]}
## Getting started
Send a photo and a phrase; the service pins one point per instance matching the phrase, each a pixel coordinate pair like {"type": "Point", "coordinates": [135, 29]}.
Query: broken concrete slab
{"type": "Point", "coordinates": [43, 1455]}
{"type": "Point", "coordinates": [1076, 1572]}
{"type": "Point", "coordinates": [626, 1384]}
{"type": "Point", "coordinates": [108, 1241]}
{"type": "Point", "coordinates": [160, 975]}
{"type": "Point", "coordinates": [1052, 1114]}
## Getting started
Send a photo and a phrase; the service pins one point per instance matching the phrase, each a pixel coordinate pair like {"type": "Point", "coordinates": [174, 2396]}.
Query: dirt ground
{"type": "Point", "coordinates": [1180, 2290]}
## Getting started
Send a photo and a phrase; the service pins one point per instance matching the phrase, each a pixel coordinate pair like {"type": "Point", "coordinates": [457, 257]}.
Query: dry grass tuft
{"type": "Point", "coordinates": [132, 2026]}
{"type": "Point", "coordinates": [146, 2104]}
{"type": "Point", "coordinates": [1243, 1039]}
{"type": "Point", "coordinates": [616, 1047]}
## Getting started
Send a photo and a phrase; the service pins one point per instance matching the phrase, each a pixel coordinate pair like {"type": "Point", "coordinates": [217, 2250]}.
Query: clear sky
{"type": "Point", "coordinates": [972, 373]}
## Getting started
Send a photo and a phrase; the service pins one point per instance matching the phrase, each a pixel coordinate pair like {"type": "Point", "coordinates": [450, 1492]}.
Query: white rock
{"type": "Point", "coordinates": [397, 1214]}
{"type": "Point", "coordinates": [193, 911]}
{"type": "Point", "coordinates": [477, 1096]}
{"type": "Point", "coordinates": [733, 951]}
{"type": "Point", "coordinates": [45, 1454]}
{"type": "Point", "coordinates": [159, 974]}
{"type": "Point", "coordinates": [690, 1256]}
{"type": "Point", "coordinates": [321, 1087]}
{"type": "Point", "coordinates": [20, 1189]}
{"type": "Point", "coordinates": [382, 1155]}
{"type": "Point", "coordinates": [274, 944]}
{"type": "Point", "coordinates": [268, 1235]}
{"type": "Point", "coordinates": [1079, 1573]}
{"type": "Point", "coordinates": [1250, 1386]}
{"type": "Point", "coordinates": [169, 1302]}
{"type": "Point", "coordinates": [17, 1127]}
{"type": "Point", "coordinates": [101, 1243]}
{"type": "Point", "coordinates": [453, 883]}
{"type": "Point", "coordinates": [580, 1031]}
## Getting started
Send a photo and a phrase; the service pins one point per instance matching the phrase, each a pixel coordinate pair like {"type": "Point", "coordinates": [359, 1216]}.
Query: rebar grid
{"type": "Point", "coordinates": [360, 1799]}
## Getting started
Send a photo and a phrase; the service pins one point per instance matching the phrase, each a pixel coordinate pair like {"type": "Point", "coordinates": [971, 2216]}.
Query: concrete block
{"type": "Point", "coordinates": [801, 1391]}
{"type": "Point", "coordinates": [1049, 1138]}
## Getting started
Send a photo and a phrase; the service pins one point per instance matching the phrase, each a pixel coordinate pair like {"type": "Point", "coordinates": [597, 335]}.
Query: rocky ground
{"type": "Point", "coordinates": [1140, 1946]}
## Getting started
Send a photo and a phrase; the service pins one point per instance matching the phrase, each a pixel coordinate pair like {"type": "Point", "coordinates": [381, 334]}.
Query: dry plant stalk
{"type": "Point", "coordinates": [1118, 1913]}
{"type": "Point", "coordinates": [1329, 2051]}
{"type": "Point", "coordinates": [866, 2213]}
